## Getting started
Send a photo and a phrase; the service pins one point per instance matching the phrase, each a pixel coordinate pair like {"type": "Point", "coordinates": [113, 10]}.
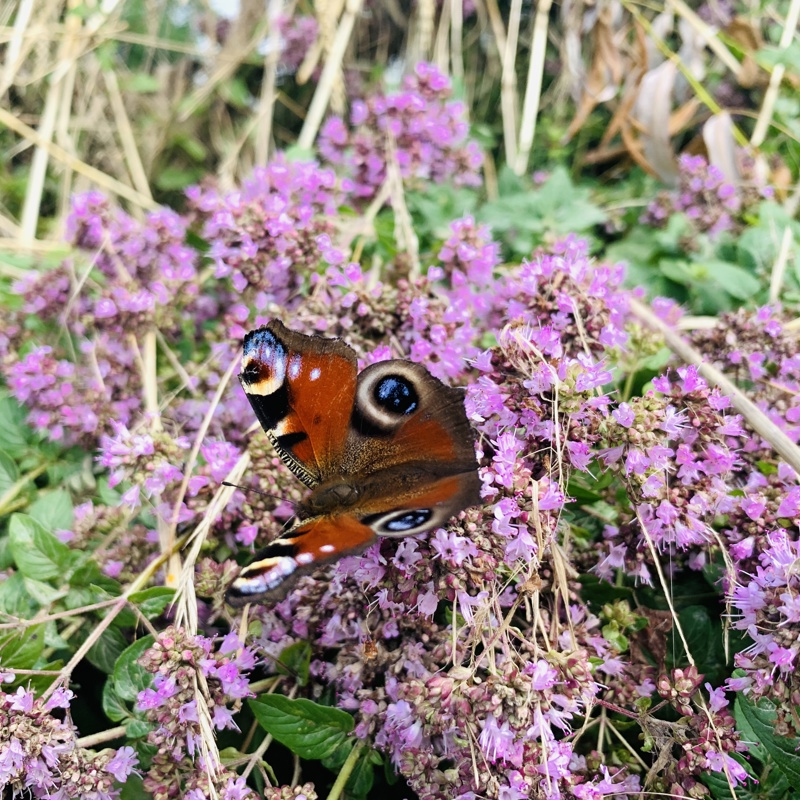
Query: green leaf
{"type": "Point", "coordinates": [45, 594]}
{"type": "Point", "coordinates": [704, 638]}
{"type": "Point", "coordinates": [14, 433]}
{"type": "Point", "coordinates": [37, 553]}
{"type": "Point", "coordinates": [133, 788]}
{"type": "Point", "coordinates": [107, 649]}
{"type": "Point", "coordinates": [434, 209]}
{"type": "Point", "coordinates": [172, 179]}
{"type": "Point", "coordinates": [113, 707]}
{"type": "Point", "coordinates": [235, 92]}
{"type": "Point", "coordinates": [736, 281]}
{"type": "Point", "coordinates": [302, 154]}
{"type": "Point", "coordinates": [335, 761]}
{"type": "Point", "coordinates": [88, 585]}
{"type": "Point", "coordinates": [310, 730]}
{"type": "Point", "coordinates": [22, 650]}
{"type": "Point", "coordinates": [9, 474]}
{"type": "Point", "coordinates": [53, 639]}
{"type": "Point", "coordinates": [783, 750]}
{"type": "Point", "coordinates": [89, 574]}
{"type": "Point", "coordinates": [129, 677]}
{"type": "Point", "coordinates": [15, 600]}
{"type": "Point", "coordinates": [137, 729]}
{"type": "Point", "coordinates": [152, 602]}
{"type": "Point", "coordinates": [191, 145]}
{"type": "Point", "coordinates": [141, 83]}
{"type": "Point", "coordinates": [106, 495]}
{"type": "Point", "coordinates": [526, 216]}
{"type": "Point", "coordinates": [295, 660]}
{"type": "Point", "coordinates": [6, 559]}
{"type": "Point", "coordinates": [54, 510]}
{"type": "Point", "coordinates": [770, 56]}
{"type": "Point", "coordinates": [679, 271]}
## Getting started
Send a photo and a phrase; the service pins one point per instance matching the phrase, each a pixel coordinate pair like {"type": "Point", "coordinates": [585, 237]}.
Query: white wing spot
{"type": "Point", "coordinates": [304, 558]}
{"type": "Point", "coordinates": [327, 548]}
{"type": "Point", "coordinates": [295, 363]}
{"type": "Point", "coordinates": [315, 373]}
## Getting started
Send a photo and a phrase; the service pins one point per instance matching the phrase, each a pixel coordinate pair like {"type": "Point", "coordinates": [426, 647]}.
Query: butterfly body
{"type": "Point", "coordinates": [385, 452]}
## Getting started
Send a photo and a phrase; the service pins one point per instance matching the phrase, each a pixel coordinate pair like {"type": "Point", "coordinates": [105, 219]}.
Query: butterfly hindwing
{"type": "Point", "coordinates": [276, 568]}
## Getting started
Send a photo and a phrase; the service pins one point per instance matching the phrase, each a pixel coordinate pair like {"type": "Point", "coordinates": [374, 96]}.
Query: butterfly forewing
{"type": "Point", "coordinates": [302, 396]}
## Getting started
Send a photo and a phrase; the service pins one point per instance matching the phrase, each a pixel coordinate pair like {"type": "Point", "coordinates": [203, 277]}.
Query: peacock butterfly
{"type": "Point", "coordinates": [385, 452]}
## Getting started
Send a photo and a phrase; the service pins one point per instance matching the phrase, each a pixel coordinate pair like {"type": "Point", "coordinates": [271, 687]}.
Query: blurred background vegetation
{"type": "Point", "coordinates": [583, 111]}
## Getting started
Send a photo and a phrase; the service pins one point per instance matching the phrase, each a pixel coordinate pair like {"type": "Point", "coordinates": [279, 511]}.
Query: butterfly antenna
{"type": "Point", "coordinates": [256, 491]}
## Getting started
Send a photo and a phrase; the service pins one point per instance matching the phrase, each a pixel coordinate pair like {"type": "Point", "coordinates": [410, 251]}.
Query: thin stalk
{"type": "Point", "coordinates": [533, 87]}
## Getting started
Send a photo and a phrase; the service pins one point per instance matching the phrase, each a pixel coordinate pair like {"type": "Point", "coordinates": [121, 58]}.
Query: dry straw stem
{"type": "Point", "coordinates": [771, 95]}
{"type": "Point", "coordinates": [779, 267]}
{"type": "Point", "coordinates": [322, 95]}
{"type": "Point", "coordinates": [187, 602]}
{"type": "Point", "coordinates": [91, 742]}
{"type": "Point", "coordinates": [59, 95]}
{"type": "Point", "coordinates": [403, 225]}
{"type": "Point", "coordinates": [328, 15]}
{"type": "Point", "coordinates": [14, 53]}
{"type": "Point", "coordinates": [266, 105]}
{"type": "Point", "coordinates": [456, 38]}
{"type": "Point", "coordinates": [69, 161]}
{"type": "Point", "coordinates": [533, 87]}
{"type": "Point", "coordinates": [426, 13]}
{"type": "Point", "coordinates": [755, 418]}
{"type": "Point", "coordinates": [121, 602]}
{"type": "Point", "coordinates": [185, 598]}
{"type": "Point", "coordinates": [508, 81]}
{"type": "Point", "coordinates": [126, 133]}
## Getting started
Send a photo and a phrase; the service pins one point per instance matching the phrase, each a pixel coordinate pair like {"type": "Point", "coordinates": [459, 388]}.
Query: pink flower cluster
{"type": "Point", "coordinates": [428, 132]}
{"type": "Point", "coordinates": [711, 203]}
{"type": "Point", "coordinates": [184, 666]}
{"type": "Point", "coordinates": [39, 755]}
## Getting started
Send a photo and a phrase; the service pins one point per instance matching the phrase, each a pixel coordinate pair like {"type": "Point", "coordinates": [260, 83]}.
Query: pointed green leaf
{"type": "Point", "coordinates": [37, 553]}
{"type": "Point", "coordinates": [295, 660]}
{"type": "Point", "coordinates": [54, 511]}
{"type": "Point", "coordinates": [310, 730]}
{"type": "Point", "coordinates": [14, 433]}
{"type": "Point", "coordinates": [9, 474]}
{"type": "Point", "coordinates": [129, 677]}
{"type": "Point", "coordinates": [137, 729]}
{"type": "Point", "coordinates": [21, 650]}
{"type": "Point", "coordinates": [782, 750]}
{"type": "Point", "coordinates": [152, 602]}
{"type": "Point", "coordinates": [113, 707]}
{"type": "Point", "coordinates": [107, 649]}
{"type": "Point", "coordinates": [14, 599]}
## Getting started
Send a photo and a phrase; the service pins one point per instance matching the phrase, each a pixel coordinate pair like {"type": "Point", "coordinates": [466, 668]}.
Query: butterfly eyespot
{"type": "Point", "coordinates": [396, 395]}
{"type": "Point", "coordinates": [388, 394]}
{"type": "Point", "coordinates": [401, 523]}
{"type": "Point", "coordinates": [406, 522]}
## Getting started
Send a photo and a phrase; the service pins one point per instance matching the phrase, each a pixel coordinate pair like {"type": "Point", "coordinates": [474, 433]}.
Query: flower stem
{"type": "Point", "coordinates": [346, 771]}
